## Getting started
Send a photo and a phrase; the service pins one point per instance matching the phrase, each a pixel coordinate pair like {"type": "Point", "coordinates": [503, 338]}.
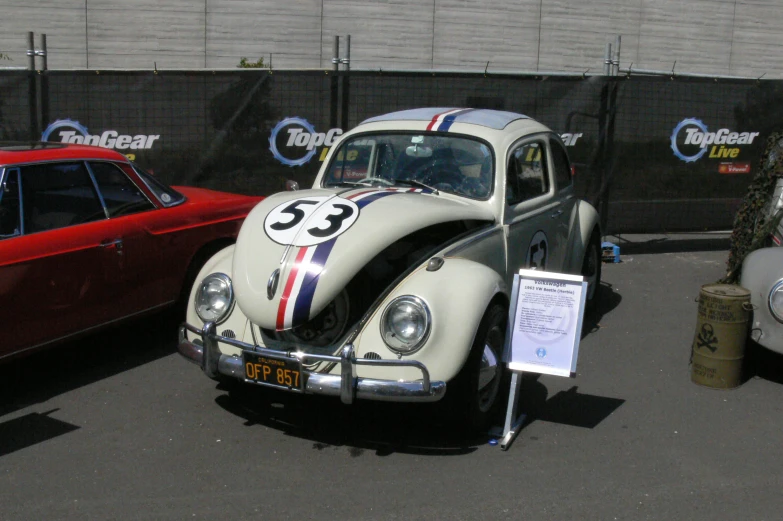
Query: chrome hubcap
{"type": "Point", "coordinates": [490, 369]}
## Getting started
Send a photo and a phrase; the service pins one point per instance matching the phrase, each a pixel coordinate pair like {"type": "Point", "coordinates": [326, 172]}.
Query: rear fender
{"type": "Point", "coordinates": [584, 219]}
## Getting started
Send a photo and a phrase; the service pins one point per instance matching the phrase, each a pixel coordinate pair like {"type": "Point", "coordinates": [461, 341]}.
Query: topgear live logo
{"type": "Point", "coordinates": [691, 139]}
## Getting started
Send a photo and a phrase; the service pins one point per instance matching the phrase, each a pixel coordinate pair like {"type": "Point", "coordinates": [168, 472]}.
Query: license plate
{"type": "Point", "coordinates": [284, 373]}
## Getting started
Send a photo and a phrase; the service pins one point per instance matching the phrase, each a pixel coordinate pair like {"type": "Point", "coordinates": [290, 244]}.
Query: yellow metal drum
{"type": "Point", "coordinates": [721, 332]}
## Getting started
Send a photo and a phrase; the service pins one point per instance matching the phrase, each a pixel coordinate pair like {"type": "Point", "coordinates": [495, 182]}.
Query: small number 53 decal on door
{"type": "Point", "coordinates": [310, 220]}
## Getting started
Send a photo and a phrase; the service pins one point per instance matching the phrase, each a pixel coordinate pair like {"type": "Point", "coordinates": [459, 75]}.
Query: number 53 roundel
{"type": "Point", "coordinates": [310, 220]}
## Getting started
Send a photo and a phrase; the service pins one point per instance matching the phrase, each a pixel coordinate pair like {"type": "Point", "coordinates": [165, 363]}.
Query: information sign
{"type": "Point", "coordinates": [547, 322]}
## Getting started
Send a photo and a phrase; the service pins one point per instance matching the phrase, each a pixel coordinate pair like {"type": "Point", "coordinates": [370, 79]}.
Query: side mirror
{"type": "Point", "coordinates": [291, 185]}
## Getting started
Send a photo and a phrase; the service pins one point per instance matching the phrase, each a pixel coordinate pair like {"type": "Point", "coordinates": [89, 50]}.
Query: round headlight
{"type": "Point", "coordinates": [214, 298]}
{"type": "Point", "coordinates": [776, 301]}
{"type": "Point", "coordinates": [405, 324]}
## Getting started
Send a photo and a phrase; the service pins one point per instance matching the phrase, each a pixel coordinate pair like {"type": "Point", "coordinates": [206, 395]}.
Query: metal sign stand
{"type": "Point", "coordinates": [514, 420]}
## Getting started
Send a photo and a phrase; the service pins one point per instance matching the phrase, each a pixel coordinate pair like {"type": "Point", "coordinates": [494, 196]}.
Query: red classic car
{"type": "Point", "coordinates": [87, 239]}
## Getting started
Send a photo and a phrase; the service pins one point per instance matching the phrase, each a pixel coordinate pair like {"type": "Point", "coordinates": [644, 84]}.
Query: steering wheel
{"type": "Point", "coordinates": [380, 180]}
{"type": "Point", "coordinates": [444, 176]}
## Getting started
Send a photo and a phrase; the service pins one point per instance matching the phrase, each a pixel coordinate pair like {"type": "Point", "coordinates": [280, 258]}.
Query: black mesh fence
{"type": "Point", "coordinates": [653, 154]}
{"type": "Point", "coordinates": [17, 106]}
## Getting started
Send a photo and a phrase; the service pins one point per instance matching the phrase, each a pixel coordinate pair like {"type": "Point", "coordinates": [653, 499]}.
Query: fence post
{"type": "Point", "coordinates": [346, 85]}
{"type": "Point", "coordinates": [44, 85]}
{"type": "Point", "coordinates": [616, 60]}
{"type": "Point", "coordinates": [608, 59]}
{"type": "Point", "coordinates": [335, 85]}
{"type": "Point", "coordinates": [32, 90]}
{"type": "Point", "coordinates": [31, 50]}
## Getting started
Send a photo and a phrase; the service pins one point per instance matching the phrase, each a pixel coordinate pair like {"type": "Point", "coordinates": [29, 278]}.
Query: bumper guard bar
{"type": "Point", "coordinates": [346, 385]}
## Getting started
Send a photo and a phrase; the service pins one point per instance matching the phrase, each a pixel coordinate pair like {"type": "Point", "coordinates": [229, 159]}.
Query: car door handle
{"type": "Point", "coordinates": [556, 214]}
{"type": "Point", "coordinates": [116, 244]}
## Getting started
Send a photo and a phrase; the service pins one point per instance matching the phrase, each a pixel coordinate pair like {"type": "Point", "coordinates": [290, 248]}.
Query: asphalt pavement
{"type": "Point", "coordinates": [118, 426]}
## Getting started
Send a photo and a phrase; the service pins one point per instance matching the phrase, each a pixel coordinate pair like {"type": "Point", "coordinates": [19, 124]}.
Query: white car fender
{"type": "Point", "coordinates": [761, 270]}
{"type": "Point", "coordinates": [457, 295]}
{"type": "Point", "coordinates": [584, 219]}
{"type": "Point", "coordinates": [221, 262]}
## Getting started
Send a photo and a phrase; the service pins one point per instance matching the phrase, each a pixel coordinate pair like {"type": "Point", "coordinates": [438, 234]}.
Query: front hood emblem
{"type": "Point", "coordinates": [271, 285]}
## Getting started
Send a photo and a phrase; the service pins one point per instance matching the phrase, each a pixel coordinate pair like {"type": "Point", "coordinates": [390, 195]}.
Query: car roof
{"type": "Point", "coordinates": [445, 116]}
{"type": "Point", "coordinates": [12, 153]}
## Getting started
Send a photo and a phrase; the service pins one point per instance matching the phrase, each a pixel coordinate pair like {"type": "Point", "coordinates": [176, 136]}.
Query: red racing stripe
{"type": "Point", "coordinates": [289, 284]}
{"type": "Point", "coordinates": [435, 121]}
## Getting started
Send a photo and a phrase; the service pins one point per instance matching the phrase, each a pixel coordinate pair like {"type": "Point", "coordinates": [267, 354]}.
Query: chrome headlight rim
{"type": "Point", "coordinates": [231, 300]}
{"type": "Point", "coordinates": [776, 288]}
{"type": "Point", "coordinates": [395, 347]}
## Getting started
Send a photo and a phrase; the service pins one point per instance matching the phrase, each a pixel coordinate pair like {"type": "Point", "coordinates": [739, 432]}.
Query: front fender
{"type": "Point", "coordinates": [221, 262]}
{"type": "Point", "coordinates": [457, 295]}
{"type": "Point", "coordinates": [761, 270]}
{"type": "Point", "coordinates": [584, 219]}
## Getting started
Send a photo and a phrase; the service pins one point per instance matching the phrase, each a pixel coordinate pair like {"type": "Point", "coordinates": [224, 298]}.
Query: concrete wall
{"type": "Point", "coordinates": [740, 37]}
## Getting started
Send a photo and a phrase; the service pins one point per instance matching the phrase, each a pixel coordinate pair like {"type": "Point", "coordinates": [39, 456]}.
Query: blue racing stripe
{"type": "Point", "coordinates": [449, 120]}
{"type": "Point", "coordinates": [305, 298]}
{"type": "Point", "coordinates": [361, 203]}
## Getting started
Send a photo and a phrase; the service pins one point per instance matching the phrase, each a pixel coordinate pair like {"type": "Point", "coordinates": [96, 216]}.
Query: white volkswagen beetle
{"type": "Point", "coordinates": [390, 278]}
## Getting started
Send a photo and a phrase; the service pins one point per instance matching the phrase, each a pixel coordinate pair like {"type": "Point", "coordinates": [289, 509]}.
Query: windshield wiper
{"type": "Point", "coordinates": [418, 184]}
{"type": "Point", "coordinates": [346, 183]}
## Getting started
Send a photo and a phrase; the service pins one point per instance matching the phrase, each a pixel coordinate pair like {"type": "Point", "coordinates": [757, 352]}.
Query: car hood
{"type": "Point", "coordinates": [286, 273]}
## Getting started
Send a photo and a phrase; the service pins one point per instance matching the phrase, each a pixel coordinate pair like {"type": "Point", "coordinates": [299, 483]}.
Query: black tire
{"type": "Point", "coordinates": [472, 400]}
{"type": "Point", "coordinates": [591, 268]}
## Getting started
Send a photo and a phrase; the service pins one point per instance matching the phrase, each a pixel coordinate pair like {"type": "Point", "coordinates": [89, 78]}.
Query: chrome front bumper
{"type": "Point", "coordinates": [346, 385]}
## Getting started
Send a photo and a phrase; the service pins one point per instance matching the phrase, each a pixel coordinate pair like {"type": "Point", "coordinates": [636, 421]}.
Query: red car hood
{"type": "Point", "coordinates": [201, 196]}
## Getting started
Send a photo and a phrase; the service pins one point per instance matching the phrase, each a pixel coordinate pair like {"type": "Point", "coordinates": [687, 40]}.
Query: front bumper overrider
{"type": "Point", "coordinates": [346, 385]}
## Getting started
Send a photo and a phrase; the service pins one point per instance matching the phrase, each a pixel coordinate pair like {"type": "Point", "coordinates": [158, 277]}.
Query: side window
{"type": "Point", "coordinates": [562, 166]}
{"type": "Point", "coordinates": [10, 218]}
{"type": "Point", "coordinates": [55, 195]}
{"type": "Point", "coordinates": [120, 194]}
{"type": "Point", "coordinates": [526, 176]}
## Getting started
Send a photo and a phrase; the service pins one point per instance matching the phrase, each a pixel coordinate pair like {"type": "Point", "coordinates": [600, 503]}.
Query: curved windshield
{"type": "Point", "coordinates": [456, 164]}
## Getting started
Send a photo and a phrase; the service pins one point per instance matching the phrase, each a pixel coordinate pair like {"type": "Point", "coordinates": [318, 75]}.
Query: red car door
{"type": "Point", "coordinates": [143, 262]}
{"type": "Point", "coordinates": [61, 261]}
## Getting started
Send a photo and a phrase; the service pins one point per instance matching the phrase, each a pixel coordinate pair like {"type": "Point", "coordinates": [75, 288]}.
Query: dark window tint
{"type": "Point", "coordinates": [55, 195]}
{"type": "Point", "coordinates": [526, 176]}
{"type": "Point", "coordinates": [120, 194]}
{"type": "Point", "coordinates": [562, 166]}
{"type": "Point", "coordinates": [10, 220]}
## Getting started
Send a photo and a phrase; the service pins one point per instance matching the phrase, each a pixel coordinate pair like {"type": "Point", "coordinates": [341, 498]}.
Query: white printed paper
{"type": "Point", "coordinates": [547, 322]}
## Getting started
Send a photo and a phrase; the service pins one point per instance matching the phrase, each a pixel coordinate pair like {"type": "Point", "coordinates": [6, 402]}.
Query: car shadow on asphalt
{"type": "Point", "coordinates": [606, 299]}
{"type": "Point", "coordinates": [388, 428]}
{"type": "Point", "coordinates": [760, 362]}
{"type": "Point", "coordinates": [679, 244]}
{"type": "Point", "coordinates": [64, 367]}
{"type": "Point", "coordinates": [382, 428]}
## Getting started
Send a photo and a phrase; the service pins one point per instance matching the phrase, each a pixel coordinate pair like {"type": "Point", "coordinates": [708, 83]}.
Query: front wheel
{"type": "Point", "coordinates": [475, 391]}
